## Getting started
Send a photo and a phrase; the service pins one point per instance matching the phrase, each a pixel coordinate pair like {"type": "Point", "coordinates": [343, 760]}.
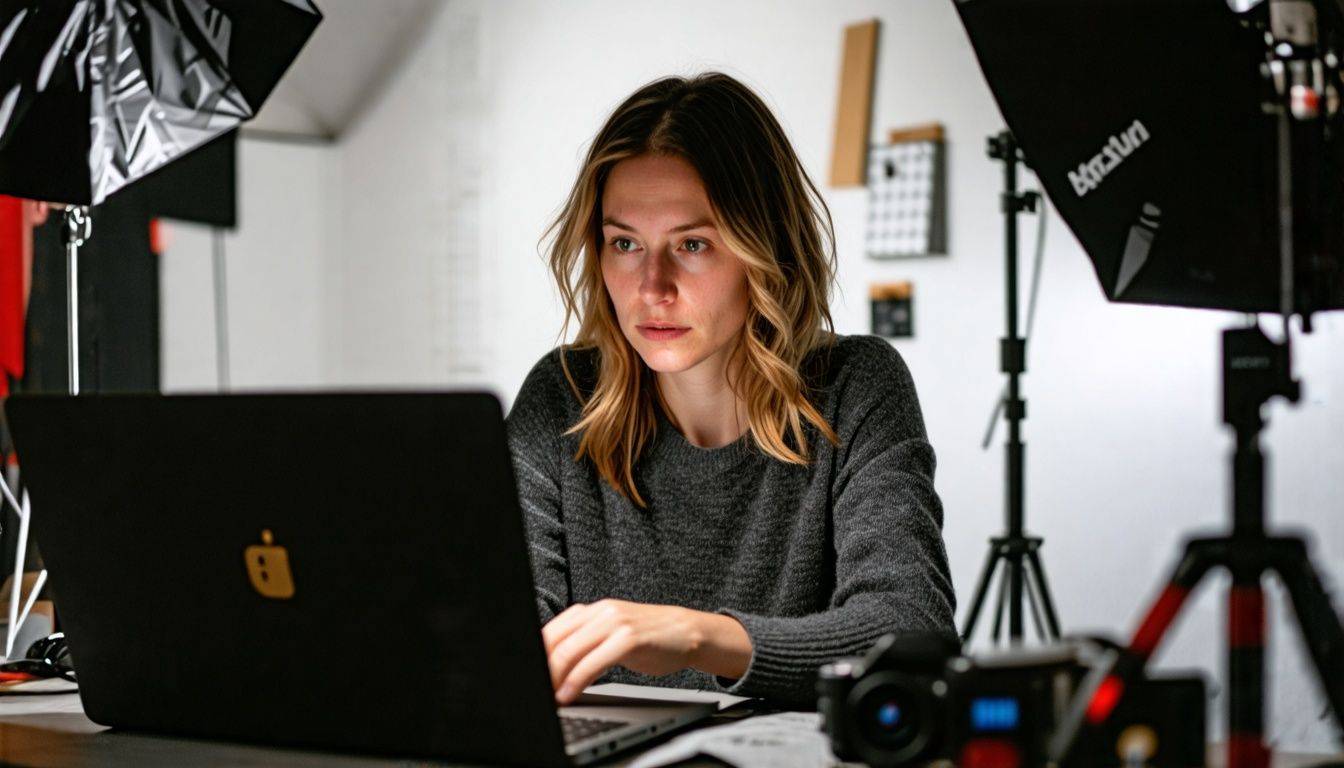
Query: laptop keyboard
{"type": "Point", "coordinates": [578, 728]}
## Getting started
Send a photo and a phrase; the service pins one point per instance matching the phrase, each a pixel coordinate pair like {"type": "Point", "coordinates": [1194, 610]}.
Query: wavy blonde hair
{"type": "Point", "coordinates": [770, 215]}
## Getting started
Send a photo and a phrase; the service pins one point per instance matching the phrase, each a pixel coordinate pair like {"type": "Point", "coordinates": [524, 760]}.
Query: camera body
{"type": "Point", "coordinates": [914, 699]}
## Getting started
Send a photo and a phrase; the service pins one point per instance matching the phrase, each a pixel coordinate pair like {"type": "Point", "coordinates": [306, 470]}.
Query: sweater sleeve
{"type": "Point", "coordinates": [535, 424]}
{"type": "Point", "coordinates": [891, 571]}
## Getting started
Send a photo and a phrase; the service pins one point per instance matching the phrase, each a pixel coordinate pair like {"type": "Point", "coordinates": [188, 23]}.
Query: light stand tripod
{"type": "Point", "coordinates": [1255, 370]}
{"type": "Point", "coordinates": [1017, 552]}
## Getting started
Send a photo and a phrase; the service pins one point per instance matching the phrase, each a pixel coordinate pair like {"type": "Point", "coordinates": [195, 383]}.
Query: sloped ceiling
{"type": "Point", "coordinates": [349, 58]}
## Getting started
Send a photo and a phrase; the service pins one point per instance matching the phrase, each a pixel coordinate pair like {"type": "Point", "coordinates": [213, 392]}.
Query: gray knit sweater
{"type": "Point", "coordinates": [816, 561]}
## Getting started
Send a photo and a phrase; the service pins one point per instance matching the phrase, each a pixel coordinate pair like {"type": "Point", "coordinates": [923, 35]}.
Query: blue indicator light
{"type": "Point", "coordinates": [994, 714]}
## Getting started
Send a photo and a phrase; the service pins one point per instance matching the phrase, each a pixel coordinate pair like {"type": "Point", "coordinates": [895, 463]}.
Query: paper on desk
{"type": "Point", "coordinates": [39, 686]}
{"type": "Point", "coordinates": [676, 695]}
{"type": "Point", "coordinates": [34, 703]}
{"type": "Point", "coordinates": [785, 740]}
{"type": "Point", "coordinates": [17, 706]}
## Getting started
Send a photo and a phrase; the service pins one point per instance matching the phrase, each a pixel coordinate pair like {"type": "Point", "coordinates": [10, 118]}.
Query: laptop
{"type": "Point", "coordinates": [332, 571]}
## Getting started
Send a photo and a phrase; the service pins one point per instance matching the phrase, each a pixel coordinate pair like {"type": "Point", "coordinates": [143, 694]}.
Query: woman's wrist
{"type": "Point", "coordinates": [722, 646]}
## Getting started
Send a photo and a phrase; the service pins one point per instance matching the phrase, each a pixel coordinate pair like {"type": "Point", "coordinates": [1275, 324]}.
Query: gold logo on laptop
{"type": "Point", "coordinates": [268, 568]}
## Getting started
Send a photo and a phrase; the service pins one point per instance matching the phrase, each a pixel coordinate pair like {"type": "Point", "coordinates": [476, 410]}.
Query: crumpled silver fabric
{"type": "Point", "coordinates": [156, 73]}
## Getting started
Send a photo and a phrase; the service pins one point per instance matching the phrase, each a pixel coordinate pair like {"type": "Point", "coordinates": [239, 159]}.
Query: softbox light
{"type": "Point", "coordinates": [1143, 120]}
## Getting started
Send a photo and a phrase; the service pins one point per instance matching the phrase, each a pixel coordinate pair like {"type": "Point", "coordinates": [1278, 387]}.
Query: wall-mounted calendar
{"type": "Point", "coordinates": [907, 195]}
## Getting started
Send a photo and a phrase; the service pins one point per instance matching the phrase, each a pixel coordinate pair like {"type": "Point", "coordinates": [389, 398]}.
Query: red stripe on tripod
{"type": "Point", "coordinates": [1158, 619]}
{"type": "Point", "coordinates": [1246, 617]}
{"type": "Point", "coordinates": [1104, 700]}
{"type": "Point", "coordinates": [1247, 750]}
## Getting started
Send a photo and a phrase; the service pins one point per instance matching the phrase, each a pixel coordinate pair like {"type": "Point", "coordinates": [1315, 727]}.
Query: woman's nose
{"type": "Point", "coordinates": [656, 285]}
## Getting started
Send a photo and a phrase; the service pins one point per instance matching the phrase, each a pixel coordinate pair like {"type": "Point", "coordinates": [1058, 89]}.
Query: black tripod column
{"type": "Point", "coordinates": [1023, 575]}
{"type": "Point", "coordinates": [1013, 363]}
{"type": "Point", "coordinates": [1255, 369]}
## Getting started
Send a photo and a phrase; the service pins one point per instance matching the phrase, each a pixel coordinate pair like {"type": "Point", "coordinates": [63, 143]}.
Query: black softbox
{"type": "Point", "coordinates": [1143, 120]}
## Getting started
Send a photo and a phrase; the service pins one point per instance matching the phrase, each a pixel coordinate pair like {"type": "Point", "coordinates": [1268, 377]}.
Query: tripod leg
{"type": "Point", "coordinates": [1098, 696]}
{"type": "Point", "coordinates": [1034, 601]}
{"type": "Point", "coordinates": [1194, 564]}
{"type": "Point", "coordinates": [981, 588]}
{"type": "Point", "coordinates": [1321, 630]}
{"type": "Point", "coordinates": [1043, 587]}
{"type": "Point", "coordinates": [1003, 595]}
{"type": "Point", "coordinates": [1015, 597]}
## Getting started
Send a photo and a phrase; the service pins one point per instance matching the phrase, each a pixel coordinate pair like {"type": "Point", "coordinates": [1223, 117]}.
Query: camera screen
{"type": "Point", "coordinates": [994, 714]}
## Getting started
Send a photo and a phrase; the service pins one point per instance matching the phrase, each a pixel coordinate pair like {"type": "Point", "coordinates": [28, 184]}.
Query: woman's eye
{"type": "Point", "coordinates": [623, 244]}
{"type": "Point", "coordinates": [695, 246]}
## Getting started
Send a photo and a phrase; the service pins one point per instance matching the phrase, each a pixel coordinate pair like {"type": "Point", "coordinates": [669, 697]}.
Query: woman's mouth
{"type": "Point", "coordinates": [661, 331]}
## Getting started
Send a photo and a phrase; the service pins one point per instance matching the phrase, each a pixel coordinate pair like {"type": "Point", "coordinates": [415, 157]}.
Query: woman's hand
{"type": "Point", "coordinates": [588, 639]}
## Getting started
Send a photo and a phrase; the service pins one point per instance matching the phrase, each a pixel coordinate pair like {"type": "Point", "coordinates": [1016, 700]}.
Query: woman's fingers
{"type": "Point", "coordinates": [604, 656]}
{"type": "Point", "coordinates": [578, 644]}
{"type": "Point", "coordinates": [562, 625]}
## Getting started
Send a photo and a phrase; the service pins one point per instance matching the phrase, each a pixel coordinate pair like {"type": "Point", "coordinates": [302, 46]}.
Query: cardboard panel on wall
{"type": "Point", "coordinates": [854, 110]}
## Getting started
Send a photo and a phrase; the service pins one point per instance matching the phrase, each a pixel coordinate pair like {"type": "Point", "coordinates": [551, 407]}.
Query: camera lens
{"type": "Point", "coordinates": [884, 717]}
{"type": "Point", "coordinates": [894, 718]}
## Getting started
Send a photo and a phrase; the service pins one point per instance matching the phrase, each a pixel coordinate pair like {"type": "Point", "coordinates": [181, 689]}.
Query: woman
{"type": "Point", "coordinates": [719, 493]}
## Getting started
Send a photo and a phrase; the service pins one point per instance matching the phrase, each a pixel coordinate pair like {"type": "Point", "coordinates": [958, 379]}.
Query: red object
{"type": "Point", "coordinates": [1304, 102]}
{"type": "Point", "coordinates": [17, 219]}
{"type": "Point", "coordinates": [1104, 700]}
{"type": "Point", "coordinates": [15, 244]}
{"type": "Point", "coordinates": [1247, 750]}
{"type": "Point", "coordinates": [16, 677]}
{"type": "Point", "coordinates": [158, 237]}
{"type": "Point", "coordinates": [1158, 619]}
{"type": "Point", "coordinates": [1246, 617]}
{"type": "Point", "coordinates": [990, 753]}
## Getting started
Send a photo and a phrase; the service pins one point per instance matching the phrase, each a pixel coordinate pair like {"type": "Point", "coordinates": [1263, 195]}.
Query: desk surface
{"type": "Point", "coordinates": [52, 732]}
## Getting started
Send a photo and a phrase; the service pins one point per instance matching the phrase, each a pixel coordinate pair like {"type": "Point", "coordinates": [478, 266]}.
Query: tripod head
{"type": "Point", "coordinates": [1255, 370]}
{"type": "Point", "coordinates": [1002, 145]}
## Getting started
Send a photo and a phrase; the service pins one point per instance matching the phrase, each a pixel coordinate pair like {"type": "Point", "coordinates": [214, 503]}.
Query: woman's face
{"type": "Point", "coordinates": [680, 294]}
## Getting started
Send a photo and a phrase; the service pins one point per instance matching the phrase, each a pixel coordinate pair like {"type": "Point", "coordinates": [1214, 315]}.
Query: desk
{"type": "Point", "coordinates": [52, 732]}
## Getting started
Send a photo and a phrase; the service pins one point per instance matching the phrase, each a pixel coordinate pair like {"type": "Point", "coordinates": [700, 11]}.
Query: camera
{"type": "Point", "coordinates": [884, 708]}
{"type": "Point", "coordinates": [913, 699]}
{"type": "Point", "coordinates": [916, 699]}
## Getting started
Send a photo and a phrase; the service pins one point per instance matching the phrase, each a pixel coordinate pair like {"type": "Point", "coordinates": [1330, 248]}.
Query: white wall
{"type": "Point", "coordinates": [410, 298]}
{"type": "Point", "coordinates": [1125, 449]}
{"type": "Point", "coordinates": [278, 266]}
{"type": "Point", "coordinates": [356, 264]}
